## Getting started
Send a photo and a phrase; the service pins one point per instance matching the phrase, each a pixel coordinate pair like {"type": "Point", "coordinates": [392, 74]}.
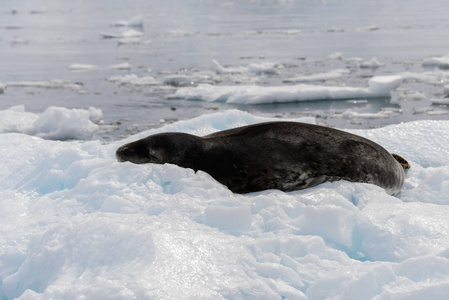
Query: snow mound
{"type": "Point", "coordinates": [77, 224]}
{"type": "Point", "coordinates": [55, 123]}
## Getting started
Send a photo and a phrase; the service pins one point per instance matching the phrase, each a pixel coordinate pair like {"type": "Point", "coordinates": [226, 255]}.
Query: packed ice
{"type": "Point", "coordinates": [77, 224]}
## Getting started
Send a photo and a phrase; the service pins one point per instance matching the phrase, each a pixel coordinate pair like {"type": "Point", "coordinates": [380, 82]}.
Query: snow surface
{"type": "Point", "coordinates": [76, 224]}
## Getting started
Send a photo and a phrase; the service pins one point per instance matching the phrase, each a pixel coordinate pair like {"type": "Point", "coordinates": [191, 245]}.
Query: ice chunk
{"type": "Point", "coordinates": [441, 62]}
{"type": "Point", "coordinates": [133, 79]}
{"type": "Point", "coordinates": [122, 66]}
{"type": "Point", "coordinates": [373, 63]}
{"type": "Point", "coordinates": [136, 21]}
{"type": "Point", "coordinates": [82, 67]}
{"type": "Point", "coordinates": [254, 68]}
{"type": "Point", "coordinates": [52, 84]}
{"type": "Point", "coordinates": [131, 33]}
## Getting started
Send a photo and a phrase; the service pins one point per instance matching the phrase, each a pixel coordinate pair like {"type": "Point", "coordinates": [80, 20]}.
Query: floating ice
{"type": "Point", "coordinates": [136, 21]}
{"type": "Point", "coordinates": [189, 80]}
{"type": "Point", "coordinates": [367, 28]}
{"type": "Point", "coordinates": [336, 56]}
{"type": "Point", "coordinates": [373, 63]}
{"type": "Point", "coordinates": [131, 33]}
{"type": "Point", "coordinates": [52, 84]}
{"type": "Point", "coordinates": [441, 62]}
{"type": "Point", "coordinates": [440, 101]}
{"type": "Point", "coordinates": [383, 114]}
{"type": "Point", "coordinates": [133, 79]}
{"type": "Point", "coordinates": [56, 123]}
{"type": "Point", "coordinates": [255, 68]}
{"type": "Point", "coordinates": [379, 86]}
{"type": "Point", "coordinates": [333, 74]}
{"type": "Point", "coordinates": [122, 66]}
{"type": "Point", "coordinates": [77, 224]}
{"type": "Point", "coordinates": [82, 67]}
{"type": "Point", "coordinates": [181, 33]}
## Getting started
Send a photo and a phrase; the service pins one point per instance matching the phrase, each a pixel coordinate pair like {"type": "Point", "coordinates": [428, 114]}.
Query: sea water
{"type": "Point", "coordinates": [126, 58]}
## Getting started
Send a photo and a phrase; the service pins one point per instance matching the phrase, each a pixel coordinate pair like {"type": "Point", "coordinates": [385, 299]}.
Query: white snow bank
{"type": "Point", "coordinates": [56, 123]}
{"type": "Point", "coordinates": [379, 86]}
{"type": "Point", "coordinates": [77, 224]}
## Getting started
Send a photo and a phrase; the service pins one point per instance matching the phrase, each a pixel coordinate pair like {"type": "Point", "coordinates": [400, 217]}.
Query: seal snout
{"type": "Point", "coordinates": [122, 153]}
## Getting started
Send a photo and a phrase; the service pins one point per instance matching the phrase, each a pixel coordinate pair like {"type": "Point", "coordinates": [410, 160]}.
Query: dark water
{"type": "Point", "coordinates": [39, 40]}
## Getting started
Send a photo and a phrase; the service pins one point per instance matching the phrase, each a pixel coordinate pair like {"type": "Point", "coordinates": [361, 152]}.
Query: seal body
{"type": "Point", "coordinates": [275, 155]}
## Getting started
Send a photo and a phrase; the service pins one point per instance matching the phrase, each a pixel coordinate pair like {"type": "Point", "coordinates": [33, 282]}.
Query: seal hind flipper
{"type": "Point", "coordinates": [404, 163]}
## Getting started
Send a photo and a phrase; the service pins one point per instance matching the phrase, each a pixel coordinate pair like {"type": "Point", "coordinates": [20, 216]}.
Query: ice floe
{"type": "Point", "coordinates": [77, 224]}
{"type": "Point", "coordinates": [333, 74]}
{"type": "Point", "coordinates": [441, 62]}
{"type": "Point", "coordinates": [82, 67]}
{"type": "Point", "coordinates": [254, 68]}
{"type": "Point", "coordinates": [379, 86]}
{"type": "Point", "coordinates": [133, 79]}
{"type": "Point", "coordinates": [51, 84]}
{"type": "Point", "coordinates": [122, 66]}
{"type": "Point", "coordinates": [130, 33]}
{"type": "Point", "coordinates": [136, 21]}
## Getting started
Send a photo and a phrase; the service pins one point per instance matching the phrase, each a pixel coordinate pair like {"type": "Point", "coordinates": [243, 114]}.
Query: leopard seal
{"type": "Point", "coordinates": [274, 155]}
